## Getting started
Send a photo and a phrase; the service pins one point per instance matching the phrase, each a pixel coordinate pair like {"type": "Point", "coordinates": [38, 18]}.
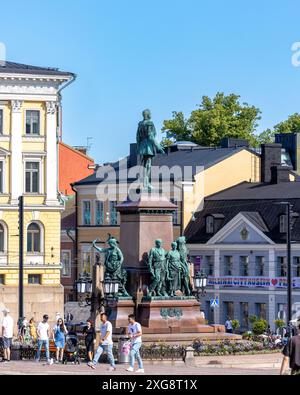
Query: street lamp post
{"type": "Point", "coordinates": [21, 259]}
{"type": "Point", "coordinates": [200, 284]}
{"type": "Point", "coordinates": [289, 263]}
{"type": "Point", "coordinates": [288, 206]}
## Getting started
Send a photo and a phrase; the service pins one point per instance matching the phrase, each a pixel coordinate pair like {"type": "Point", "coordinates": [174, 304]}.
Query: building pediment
{"type": "Point", "coordinates": [242, 229]}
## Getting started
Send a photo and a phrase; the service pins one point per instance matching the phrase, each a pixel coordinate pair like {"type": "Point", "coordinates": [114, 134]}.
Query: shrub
{"type": "Point", "coordinates": [235, 325]}
{"type": "Point", "coordinates": [259, 326]}
{"type": "Point", "coordinates": [253, 319]}
{"type": "Point", "coordinates": [279, 323]}
{"type": "Point", "coordinates": [247, 336]}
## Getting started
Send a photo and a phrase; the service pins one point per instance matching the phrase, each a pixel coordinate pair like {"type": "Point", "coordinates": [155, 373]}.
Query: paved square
{"type": "Point", "coordinates": [158, 368]}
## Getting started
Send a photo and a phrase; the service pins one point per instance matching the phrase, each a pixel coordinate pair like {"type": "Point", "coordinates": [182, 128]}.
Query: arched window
{"type": "Point", "coordinates": [2, 238]}
{"type": "Point", "coordinates": [209, 224]}
{"type": "Point", "coordinates": [33, 238]}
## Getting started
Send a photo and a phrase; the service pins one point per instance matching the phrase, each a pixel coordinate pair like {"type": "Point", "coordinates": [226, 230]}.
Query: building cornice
{"type": "Point", "coordinates": [34, 77]}
{"type": "Point", "coordinates": [197, 248]}
{"type": "Point", "coordinates": [32, 208]}
{"type": "Point", "coordinates": [36, 88]}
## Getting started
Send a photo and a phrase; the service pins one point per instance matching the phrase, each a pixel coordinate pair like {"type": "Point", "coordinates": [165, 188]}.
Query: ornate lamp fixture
{"type": "Point", "coordinates": [111, 289]}
{"type": "Point", "coordinates": [200, 284]}
{"type": "Point", "coordinates": [84, 289]}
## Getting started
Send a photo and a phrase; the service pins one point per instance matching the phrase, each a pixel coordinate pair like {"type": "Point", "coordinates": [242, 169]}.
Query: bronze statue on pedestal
{"type": "Point", "coordinates": [113, 264]}
{"type": "Point", "coordinates": [147, 147]}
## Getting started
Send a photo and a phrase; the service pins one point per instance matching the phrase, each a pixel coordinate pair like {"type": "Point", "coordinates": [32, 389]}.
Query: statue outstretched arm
{"type": "Point", "coordinates": [99, 249]}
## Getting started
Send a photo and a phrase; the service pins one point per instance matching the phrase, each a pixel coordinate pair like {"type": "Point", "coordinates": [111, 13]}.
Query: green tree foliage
{"type": "Point", "coordinates": [267, 136]}
{"type": "Point", "coordinates": [176, 129]}
{"type": "Point", "coordinates": [222, 116]}
{"type": "Point", "coordinates": [290, 125]}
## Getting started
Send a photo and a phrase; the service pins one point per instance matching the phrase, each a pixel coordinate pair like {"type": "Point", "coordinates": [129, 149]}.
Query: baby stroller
{"type": "Point", "coordinates": [71, 353]}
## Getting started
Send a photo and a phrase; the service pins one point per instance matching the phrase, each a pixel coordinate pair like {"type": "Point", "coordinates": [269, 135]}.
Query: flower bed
{"type": "Point", "coordinates": [232, 348]}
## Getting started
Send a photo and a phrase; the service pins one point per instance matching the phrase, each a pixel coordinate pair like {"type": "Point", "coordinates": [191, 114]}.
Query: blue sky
{"type": "Point", "coordinates": [161, 54]}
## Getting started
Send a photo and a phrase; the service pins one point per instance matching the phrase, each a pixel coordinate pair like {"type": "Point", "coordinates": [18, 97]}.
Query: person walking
{"type": "Point", "coordinates": [22, 324]}
{"type": "Point", "coordinates": [43, 332]}
{"type": "Point", "coordinates": [228, 325]}
{"type": "Point", "coordinates": [291, 354]}
{"type": "Point", "coordinates": [135, 334]}
{"type": "Point", "coordinates": [106, 344]}
{"type": "Point", "coordinates": [7, 334]}
{"type": "Point", "coordinates": [32, 330]}
{"type": "Point", "coordinates": [60, 332]}
{"type": "Point", "coordinates": [90, 339]}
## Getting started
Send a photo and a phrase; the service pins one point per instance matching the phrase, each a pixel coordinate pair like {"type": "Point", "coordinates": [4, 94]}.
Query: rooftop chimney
{"type": "Point", "coordinates": [270, 157]}
{"type": "Point", "coordinates": [230, 142]}
{"type": "Point", "coordinates": [280, 174]}
{"type": "Point", "coordinates": [81, 149]}
{"type": "Point", "coordinates": [133, 156]}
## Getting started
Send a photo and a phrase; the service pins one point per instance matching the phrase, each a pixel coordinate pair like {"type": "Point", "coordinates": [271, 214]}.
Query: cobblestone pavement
{"type": "Point", "coordinates": [167, 369]}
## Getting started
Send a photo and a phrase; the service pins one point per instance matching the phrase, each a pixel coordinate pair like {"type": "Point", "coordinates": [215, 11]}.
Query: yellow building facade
{"type": "Point", "coordinates": [30, 114]}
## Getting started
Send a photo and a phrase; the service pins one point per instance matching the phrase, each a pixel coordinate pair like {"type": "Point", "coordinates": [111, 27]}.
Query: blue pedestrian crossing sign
{"type": "Point", "coordinates": [214, 303]}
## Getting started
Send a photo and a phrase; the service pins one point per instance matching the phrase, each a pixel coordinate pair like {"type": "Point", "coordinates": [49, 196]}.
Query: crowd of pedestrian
{"type": "Point", "coordinates": [134, 332]}
{"type": "Point", "coordinates": [41, 334]}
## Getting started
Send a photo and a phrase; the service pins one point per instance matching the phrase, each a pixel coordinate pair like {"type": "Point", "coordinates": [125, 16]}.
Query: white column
{"type": "Point", "coordinates": [272, 263]}
{"type": "Point", "coordinates": [51, 155]}
{"type": "Point", "coordinates": [17, 171]}
{"type": "Point", "coordinates": [217, 268]}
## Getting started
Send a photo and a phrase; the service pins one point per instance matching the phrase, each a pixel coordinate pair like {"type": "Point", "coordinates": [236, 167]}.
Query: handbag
{"type": "Point", "coordinates": [126, 347]}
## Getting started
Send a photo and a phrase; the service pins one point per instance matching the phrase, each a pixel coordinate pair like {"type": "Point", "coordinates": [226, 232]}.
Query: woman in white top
{"type": "Point", "coordinates": [135, 334]}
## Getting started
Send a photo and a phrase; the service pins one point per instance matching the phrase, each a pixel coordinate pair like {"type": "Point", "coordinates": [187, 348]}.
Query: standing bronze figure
{"type": "Point", "coordinates": [113, 264]}
{"type": "Point", "coordinates": [174, 269]}
{"type": "Point", "coordinates": [147, 146]}
{"type": "Point", "coordinates": [185, 274]}
{"type": "Point", "coordinates": [158, 270]}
